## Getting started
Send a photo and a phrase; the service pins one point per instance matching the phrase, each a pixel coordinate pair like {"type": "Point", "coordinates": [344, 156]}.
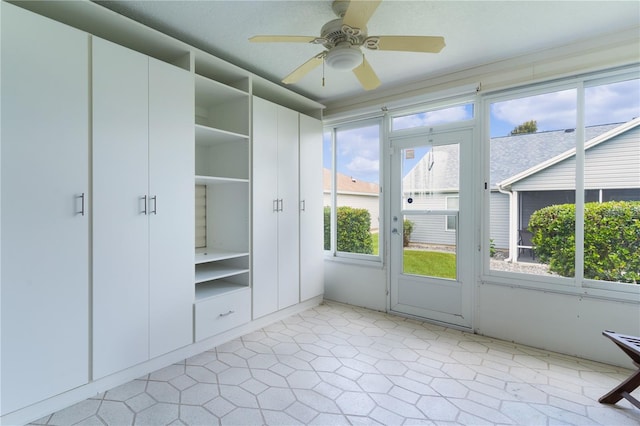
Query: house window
{"type": "Point", "coordinates": [451, 114]}
{"type": "Point", "coordinates": [352, 190]}
{"type": "Point", "coordinates": [452, 203]}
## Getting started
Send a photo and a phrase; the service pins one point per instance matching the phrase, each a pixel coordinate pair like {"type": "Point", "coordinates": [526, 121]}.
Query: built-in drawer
{"type": "Point", "coordinates": [222, 312]}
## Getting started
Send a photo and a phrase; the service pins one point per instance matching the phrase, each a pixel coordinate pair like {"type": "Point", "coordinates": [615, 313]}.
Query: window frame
{"type": "Point", "coordinates": [577, 284]}
{"type": "Point", "coordinates": [333, 254]}
{"type": "Point", "coordinates": [446, 206]}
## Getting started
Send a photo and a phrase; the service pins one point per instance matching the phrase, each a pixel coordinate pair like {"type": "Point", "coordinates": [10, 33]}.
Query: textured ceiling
{"type": "Point", "coordinates": [476, 33]}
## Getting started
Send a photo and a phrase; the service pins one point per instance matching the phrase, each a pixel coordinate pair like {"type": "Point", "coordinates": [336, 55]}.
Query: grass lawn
{"type": "Point", "coordinates": [431, 263]}
{"type": "Point", "coordinates": [420, 262]}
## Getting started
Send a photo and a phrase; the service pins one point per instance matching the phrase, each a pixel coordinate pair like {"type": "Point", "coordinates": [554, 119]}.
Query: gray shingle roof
{"type": "Point", "coordinates": [511, 155]}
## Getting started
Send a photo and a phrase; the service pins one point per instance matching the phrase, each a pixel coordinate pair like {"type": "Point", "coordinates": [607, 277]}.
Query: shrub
{"type": "Point", "coordinates": [327, 228]}
{"type": "Point", "coordinates": [611, 240]}
{"type": "Point", "coordinates": [353, 230]}
{"type": "Point", "coordinates": [407, 229]}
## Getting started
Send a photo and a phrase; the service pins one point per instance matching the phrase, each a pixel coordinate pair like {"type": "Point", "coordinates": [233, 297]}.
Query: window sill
{"type": "Point", "coordinates": [373, 262]}
{"type": "Point", "coordinates": [592, 289]}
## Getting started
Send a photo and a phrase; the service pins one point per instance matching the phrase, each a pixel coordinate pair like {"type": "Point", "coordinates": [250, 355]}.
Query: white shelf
{"type": "Point", "coordinates": [208, 290]}
{"type": "Point", "coordinates": [214, 255]}
{"type": "Point", "coordinates": [215, 180]}
{"type": "Point", "coordinates": [210, 92]}
{"type": "Point", "coordinates": [207, 136]}
{"type": "Point", "coordinates": [214, 271]}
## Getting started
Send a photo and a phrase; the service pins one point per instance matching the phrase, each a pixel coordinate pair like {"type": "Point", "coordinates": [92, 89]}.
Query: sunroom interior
{"type": "Point", "coordinates": [439, 248]}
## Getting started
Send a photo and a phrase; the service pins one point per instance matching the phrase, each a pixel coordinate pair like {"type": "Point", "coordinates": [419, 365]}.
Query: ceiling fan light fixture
{"type": "Point", "coordinates": [344, 58]}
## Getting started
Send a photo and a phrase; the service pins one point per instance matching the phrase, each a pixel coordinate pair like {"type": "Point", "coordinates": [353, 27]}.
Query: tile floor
{"type": "Point", "coordinates": [336, 364]}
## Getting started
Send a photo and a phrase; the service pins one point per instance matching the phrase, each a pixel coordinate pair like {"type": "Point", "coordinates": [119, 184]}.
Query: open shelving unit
{"type": "Point", "coordinates": [222, 135]}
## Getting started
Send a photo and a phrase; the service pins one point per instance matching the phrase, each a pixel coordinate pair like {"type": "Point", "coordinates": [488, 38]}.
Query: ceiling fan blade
{"type": "Point", "coordinates": [367, 77]}
{"type": "Point", "coordinates": [359, 12]}
{"type": "Point", "coordinates": [304, 69]}
{"type": "Point", "coordinates": [281, 39]}
{"type": "Point", "coordinates": [425, 44]}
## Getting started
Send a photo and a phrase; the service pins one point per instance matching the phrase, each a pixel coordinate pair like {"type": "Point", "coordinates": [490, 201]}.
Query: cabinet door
{"type": "Point", "coordinates": [45, 265]}
{"type": "Point", "coordinates": [171, 220]}
{"type": "Point", "coordinates": [288, 217]}
{"type": "Point", "coordinates": [120, 220]}
{"type": "Point", "coordinates": [311, 209]}
{"type": "Point", "coordinates": [265, 216]}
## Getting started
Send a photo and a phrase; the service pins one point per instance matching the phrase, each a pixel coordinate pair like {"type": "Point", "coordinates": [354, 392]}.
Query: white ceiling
{"type": "Point", "coordinates": [476, 33]}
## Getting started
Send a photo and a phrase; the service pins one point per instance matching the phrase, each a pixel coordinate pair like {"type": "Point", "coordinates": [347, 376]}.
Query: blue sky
{"type": "Point", "coordinates": [358, 154]}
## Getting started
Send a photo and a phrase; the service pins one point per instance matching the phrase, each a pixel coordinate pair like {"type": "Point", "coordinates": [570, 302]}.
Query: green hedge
{"type": "Point", "coordinates": [611, 240]}
{"type": "Point", "coordinates": [353, 230]}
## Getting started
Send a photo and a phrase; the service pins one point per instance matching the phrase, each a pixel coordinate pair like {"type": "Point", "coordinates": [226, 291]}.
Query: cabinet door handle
{"type": "Point", "coordinates": [82, 201]}
{"type": "Point", "coordinates": [303, 205]}
{"type": "Point", "coordinates": [227, 314]}
{"type": "Point", "coordinates": [281, 203]}
{"type": "Point", "coordinates": [155, 204]}
{"type": "Point", "coordinates": [275, 205]}
{"type": "Point", "coordinates": [144, 198]}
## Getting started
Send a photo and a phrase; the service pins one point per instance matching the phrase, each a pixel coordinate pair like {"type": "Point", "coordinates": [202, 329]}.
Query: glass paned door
{"type": "Point", "coordinates": [431, 227]}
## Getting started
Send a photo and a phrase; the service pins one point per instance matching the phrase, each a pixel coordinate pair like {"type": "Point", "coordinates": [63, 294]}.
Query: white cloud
{"type": "Point", "coordinates": [612, 103]}
{"type": "Point", "coordinates": [360, 165]}
{"type": "Point", "coordinates": [551, 111]}
{"type": "Point", "coordinates": [430, 118]}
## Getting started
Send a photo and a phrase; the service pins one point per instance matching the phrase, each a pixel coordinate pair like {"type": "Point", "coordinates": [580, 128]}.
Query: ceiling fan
{"type": "Point", "coordinates": [343, 37]}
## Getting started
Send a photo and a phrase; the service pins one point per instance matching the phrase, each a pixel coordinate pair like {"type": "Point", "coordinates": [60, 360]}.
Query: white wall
{"type": "Point", "coordinates": [563, 323]}
{"type": "Point", "coordinates": [359, 285]}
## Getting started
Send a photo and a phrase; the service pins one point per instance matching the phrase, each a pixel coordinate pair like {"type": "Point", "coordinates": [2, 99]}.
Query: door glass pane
{"type": "Point", "coordinates": [430, 199]}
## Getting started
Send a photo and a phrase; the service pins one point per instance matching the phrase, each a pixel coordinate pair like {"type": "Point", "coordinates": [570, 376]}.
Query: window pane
{"type": "Point", "coordinates": [527, 176]}
{"type": "Point", "coordinates": [430, 175]}
{"type": "Point", "coordinates": [358, 189]}
{"type": "Point", "coordinates": [612, 184]}
{"type": "Point", "coordinates": [327, 161]}
{"type": "Point", "coordinates": [432, 118]}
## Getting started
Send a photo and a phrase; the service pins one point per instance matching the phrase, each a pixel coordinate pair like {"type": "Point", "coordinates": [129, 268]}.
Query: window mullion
{"type": "Point", "coordinates": [580, 195]}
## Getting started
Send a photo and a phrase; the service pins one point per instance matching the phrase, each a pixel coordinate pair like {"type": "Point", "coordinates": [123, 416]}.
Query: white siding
{"type": "Point", "coordinates": [499, 220]}
{"type": "Point", "coordinates": [430, 229]}
{"type": "Point", "coordinates": [615, 163]}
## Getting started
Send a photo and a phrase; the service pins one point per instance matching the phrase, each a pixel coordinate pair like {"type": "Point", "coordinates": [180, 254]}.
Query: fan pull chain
{"type": "Point", "coordinates": [323, 71]}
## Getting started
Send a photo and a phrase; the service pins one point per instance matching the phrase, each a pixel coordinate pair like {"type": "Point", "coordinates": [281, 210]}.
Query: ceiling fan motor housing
{"type": "Point", "coordinates": [334, 33]}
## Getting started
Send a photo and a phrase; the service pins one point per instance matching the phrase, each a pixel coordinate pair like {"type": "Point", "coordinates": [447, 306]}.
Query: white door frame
{"type": "Point", "coordinates": [454, 298]}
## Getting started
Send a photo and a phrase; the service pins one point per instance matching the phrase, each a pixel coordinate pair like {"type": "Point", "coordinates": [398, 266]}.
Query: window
{"type": "Point", "coordinates": [452, 204]}
{"type": "Point", "coordinates": [526, 133]}
{"type": "Point", "coordinates": [450, 114]}
{"type": "Point", "coordinates": [554, 164]}
{"type": "Point", "coordinates": [612, 183]}
{"type": "Point", "coordinates": [352, 189]}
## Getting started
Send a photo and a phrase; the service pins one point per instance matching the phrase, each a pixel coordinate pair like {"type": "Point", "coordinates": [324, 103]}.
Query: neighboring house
{"type": "Point", "coordinates": [354, 193]}
{"type": "Point", "coordinates": [611, 173]}
{"type": "Point", "coordinates": [529, 172]}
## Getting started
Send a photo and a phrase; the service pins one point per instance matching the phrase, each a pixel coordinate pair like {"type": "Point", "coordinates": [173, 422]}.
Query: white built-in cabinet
{"type": "Point", "coordinates": [45, 208]}
{"type": "Point", "coordinates": [222, 243]}
{"type": "Point", "coordinates": [142, 207]}
{"type": "Point", "coordinates": [110, 160]}
{"type": "Point", "coordinates": [276, 271]}
{"type": "Point", "coordinates": [311, 209]}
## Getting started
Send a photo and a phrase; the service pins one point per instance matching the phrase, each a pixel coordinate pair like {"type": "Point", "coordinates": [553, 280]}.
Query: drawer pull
{"type": "Point", "coordinates": [228, 313]}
